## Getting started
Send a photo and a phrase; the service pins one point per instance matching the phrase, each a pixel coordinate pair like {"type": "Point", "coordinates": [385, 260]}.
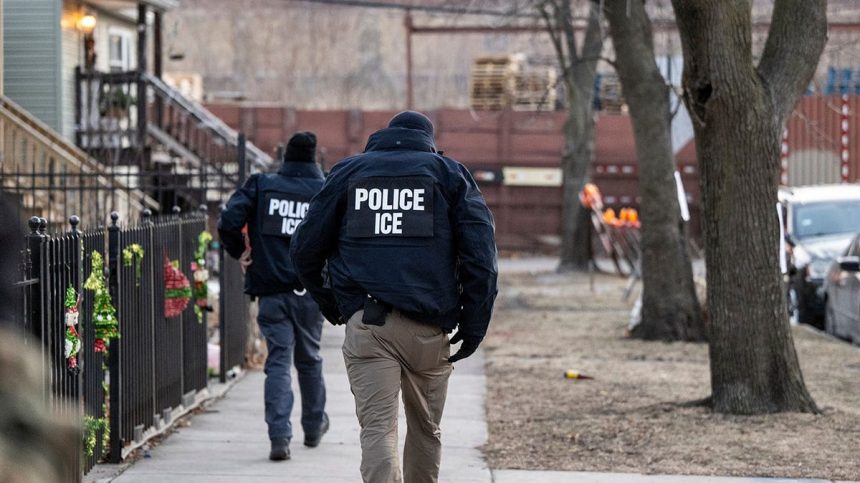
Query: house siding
{"type": "Point", "coordinates": [32, 59]}
{"type": "Point", "coordinates": [104, 27]}
{"type": "Point", "coordinates": [72, 56]}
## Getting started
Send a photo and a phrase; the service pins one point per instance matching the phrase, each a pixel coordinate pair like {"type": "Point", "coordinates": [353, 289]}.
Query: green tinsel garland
{"type": "Point", "coordinates": [92, 427]}
{"type": "Point", "coordinates": [133, 253]}
{"type": "Point", "coordinates": [104, 313]}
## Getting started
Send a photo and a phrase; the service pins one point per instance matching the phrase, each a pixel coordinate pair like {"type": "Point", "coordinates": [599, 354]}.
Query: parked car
{"type": "Point", "coordinates": [820, 222]}
{"type": "Point", "coordinates": [842, 294]}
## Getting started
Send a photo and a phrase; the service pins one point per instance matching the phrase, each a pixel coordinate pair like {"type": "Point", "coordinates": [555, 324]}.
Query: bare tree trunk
{"type": "Point", "coordinates": [738, 111]}
{"type": "Point", "coordinates": [670, 309]}
{"type": "Point", "coordinates": [579, 149]}
{"type": "Point", "coordinates": [578, 70]}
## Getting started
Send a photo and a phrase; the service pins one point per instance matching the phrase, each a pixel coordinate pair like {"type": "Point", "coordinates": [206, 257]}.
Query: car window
{"type": "Point", "coordinates": [826, 218]}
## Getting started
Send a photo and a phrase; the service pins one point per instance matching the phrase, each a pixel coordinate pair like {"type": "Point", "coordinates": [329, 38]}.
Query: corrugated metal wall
{"type": "Point", "coordinates": [527, 215]}
{"type": "Point", "coordinates": [815, 140]}
{"type": "Point", "coordinates": [32, 57]}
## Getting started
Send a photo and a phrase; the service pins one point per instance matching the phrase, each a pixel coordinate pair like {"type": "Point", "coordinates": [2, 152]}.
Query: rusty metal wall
{"type": "Point", "coordinates": [527, 217]}
{"type": "Point", "coordinates": [815, 141]}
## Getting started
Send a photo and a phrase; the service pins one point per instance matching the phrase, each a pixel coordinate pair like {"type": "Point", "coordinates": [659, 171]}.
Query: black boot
{"type": "Point", "coordinates": [312, 440]}
{"type": "Point", "coordinates": [280, 450]}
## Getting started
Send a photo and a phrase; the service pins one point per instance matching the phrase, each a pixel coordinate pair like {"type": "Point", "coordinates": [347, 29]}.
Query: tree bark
{"type": "Point", "coordinates": [578, 69]}
{"type": "Point", "coordinates": [670, 309]}
{"type": "Point", "coordinates": [738, 111]}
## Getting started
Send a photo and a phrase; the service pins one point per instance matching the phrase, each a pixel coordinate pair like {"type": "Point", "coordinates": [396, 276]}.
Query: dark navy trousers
{"type": "Point", "coordinates": [292, 325]}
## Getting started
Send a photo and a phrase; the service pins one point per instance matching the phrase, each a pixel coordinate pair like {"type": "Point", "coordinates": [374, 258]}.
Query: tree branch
{"type": "Point", "coordinates": [555, 37]}
{"type": "Point", "coordinates": [564, 19]}
{"type": "Point", "coordinates": [798, 33]}
{"type": "Point", "coordinates": [592, 44]}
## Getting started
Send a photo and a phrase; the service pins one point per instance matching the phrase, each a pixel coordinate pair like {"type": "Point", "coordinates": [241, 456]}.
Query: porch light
{"type": "Point", "coordinates": [87, 23]}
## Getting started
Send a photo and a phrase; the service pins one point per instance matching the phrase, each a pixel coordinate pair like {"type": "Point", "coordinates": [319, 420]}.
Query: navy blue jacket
{"type": "Point", "coordinates": [272, 205]}
{"type": "Point", "coordinates": [406, 226]}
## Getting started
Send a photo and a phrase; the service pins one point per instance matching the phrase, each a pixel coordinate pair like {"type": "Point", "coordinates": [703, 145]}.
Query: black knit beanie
{"type": "Point", "coordinates": [301, 147]}
{"type": "Point", "coordinates": [412, 120]}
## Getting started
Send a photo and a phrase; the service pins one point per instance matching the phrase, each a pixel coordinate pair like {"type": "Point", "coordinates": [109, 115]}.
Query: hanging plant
{"type": "Point", "coordinates": [201, 275]}
{"type": "Point", "coordinates": [72, 343]}
{"type": "Point", "coordinates": [95, 430]}
{"type": "Point", "coordinates": [105, 321]}
{"type": "Point", "coordinates": [133, 254]}
{"type": "Point", "coordinates": [203, 240]}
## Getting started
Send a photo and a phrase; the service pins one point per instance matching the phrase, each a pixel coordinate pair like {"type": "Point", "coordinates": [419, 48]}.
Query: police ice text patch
{"type": "Point", "coordinates": [388, 206]}
{"type": "Point", "coordinates": [283, 213]}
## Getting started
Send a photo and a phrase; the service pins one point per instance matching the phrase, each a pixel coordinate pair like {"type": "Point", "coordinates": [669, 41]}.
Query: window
{"type": "Point", "coordinates": [119, 50]}
{"type": "Point", "coordinates": [826, 218]}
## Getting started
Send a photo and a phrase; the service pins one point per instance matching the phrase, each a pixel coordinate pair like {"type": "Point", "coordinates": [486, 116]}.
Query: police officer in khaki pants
{"type": "Point", "coordinates": [408, 245]}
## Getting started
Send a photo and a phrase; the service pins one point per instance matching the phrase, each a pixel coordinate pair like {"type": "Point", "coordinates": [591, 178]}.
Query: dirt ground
{"type": "Point", "coordinates": [632, 417]}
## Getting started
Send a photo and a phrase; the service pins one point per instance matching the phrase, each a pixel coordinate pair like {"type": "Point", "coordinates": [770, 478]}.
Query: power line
{"type": "Point", "coordinates": [446, 9]}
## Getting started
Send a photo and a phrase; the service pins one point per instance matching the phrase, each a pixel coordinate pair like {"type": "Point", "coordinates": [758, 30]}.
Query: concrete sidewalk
{"type": "Point", "coordinates": [228, 443]}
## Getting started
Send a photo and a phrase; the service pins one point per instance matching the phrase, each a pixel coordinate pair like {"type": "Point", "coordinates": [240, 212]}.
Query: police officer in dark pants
{"type": "Point", "coordinates": [273, 205]}
{"type": "Point", "coordinates": [409, 250]}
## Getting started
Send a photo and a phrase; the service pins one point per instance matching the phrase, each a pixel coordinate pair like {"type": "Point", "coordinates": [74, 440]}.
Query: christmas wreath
{"type": "Point", "coordinates": [177, 291]}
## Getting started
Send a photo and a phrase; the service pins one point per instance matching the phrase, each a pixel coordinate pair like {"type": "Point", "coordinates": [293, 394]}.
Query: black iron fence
{"type": "Point", "coordinates": [234, 307]}
{"type": "Point", "coordinates": [51, 268]}
{"type": "Point", "coordinates": [129, 386]}
{"type": "Point", "coordinates": [92, 363]}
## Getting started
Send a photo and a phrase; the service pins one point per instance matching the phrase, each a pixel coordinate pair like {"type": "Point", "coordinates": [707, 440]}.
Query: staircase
{"type": "Point", "coordinates": [50, 177]}
{"type": "Point", "coordinates": [181, 153]}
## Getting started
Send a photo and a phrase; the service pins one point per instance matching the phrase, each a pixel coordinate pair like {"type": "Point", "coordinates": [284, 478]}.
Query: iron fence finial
{"type": "Point", "coordinates": [34, 224]}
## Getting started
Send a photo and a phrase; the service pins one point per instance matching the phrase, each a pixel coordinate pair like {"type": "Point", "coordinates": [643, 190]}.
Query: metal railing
{"type": "Point", "coordinates": [134, 121]}
{"type": "Point", "coordinates": [234, 308]}
{"type": "Point", "coordinates": [39, 166]}
{"type": "Point", "coordinates": [156, 370]}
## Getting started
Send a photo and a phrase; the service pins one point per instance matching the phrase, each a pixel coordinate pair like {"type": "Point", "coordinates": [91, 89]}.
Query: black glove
{"type": "Point", "coordinates": [470, 345]}
{"type": "Point", "coordinates": [329, 309]}
{"type": "Point", "coordinates": [332, 314]}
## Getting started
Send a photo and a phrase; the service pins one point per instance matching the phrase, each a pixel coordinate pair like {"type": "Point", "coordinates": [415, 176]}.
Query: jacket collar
{"type": "Point", "coordinates": [295, 169]}
{"type": "Point", "coordinates": [399, 138]}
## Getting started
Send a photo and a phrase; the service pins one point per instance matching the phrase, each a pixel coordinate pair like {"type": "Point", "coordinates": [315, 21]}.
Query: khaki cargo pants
{"type": "Point", "coordinates": [380, 361]}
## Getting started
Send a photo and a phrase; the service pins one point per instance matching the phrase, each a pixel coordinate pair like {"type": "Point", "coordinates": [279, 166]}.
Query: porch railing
{"type": "Point", "coordinates": [42, 169]}
{"type": "Point", "coordinates": [134, 119]}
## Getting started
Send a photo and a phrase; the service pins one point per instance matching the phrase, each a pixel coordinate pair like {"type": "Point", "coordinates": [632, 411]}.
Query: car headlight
{"type": "Point", "coordinates": [818, 268]}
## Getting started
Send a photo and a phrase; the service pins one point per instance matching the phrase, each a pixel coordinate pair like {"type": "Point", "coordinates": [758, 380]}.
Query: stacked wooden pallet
{"type": "Point", "coordinates": [535, 89]}
{"type": "Point", "coordinates": [494, 81]}
{"type": "Point", "coordinates": [508, 82]}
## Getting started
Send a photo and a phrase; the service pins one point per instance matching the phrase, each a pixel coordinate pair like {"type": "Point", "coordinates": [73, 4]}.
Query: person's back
{"type": "Point", "coordinates": [410, 252]}
{"type": "Point", "coordinates": [272, 206]}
